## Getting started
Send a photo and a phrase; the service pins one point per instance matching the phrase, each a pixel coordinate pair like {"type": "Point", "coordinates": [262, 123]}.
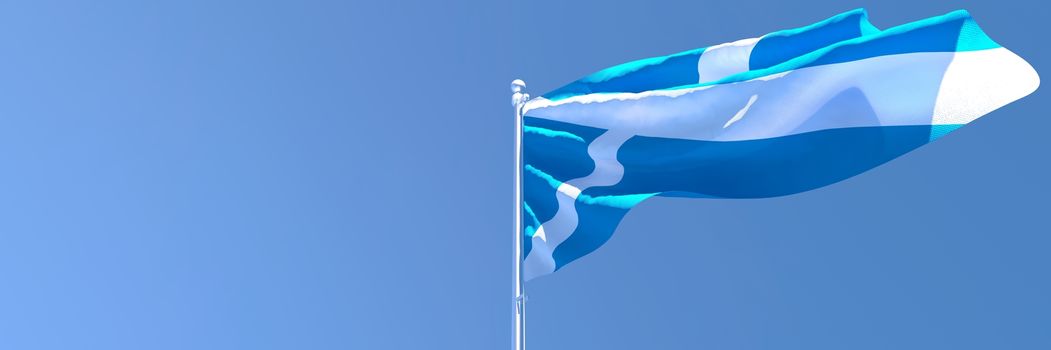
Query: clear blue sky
{"type": "Point", "coordinates": [337, 175]}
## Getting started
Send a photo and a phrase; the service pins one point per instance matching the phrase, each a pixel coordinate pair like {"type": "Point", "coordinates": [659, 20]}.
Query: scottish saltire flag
{"type": "Point", "coordinates": [784, 113]}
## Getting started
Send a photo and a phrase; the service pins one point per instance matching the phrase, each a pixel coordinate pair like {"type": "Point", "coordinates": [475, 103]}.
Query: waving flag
{"type": "Point", "coordinates": [781, 114]}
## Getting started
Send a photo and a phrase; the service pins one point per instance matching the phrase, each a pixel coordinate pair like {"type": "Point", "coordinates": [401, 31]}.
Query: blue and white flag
{"type": "Point", "coordinates": [784, 113]}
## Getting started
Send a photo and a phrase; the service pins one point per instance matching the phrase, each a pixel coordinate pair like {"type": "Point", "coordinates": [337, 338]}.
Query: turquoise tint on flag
{"type": "Point", "coordinates": [719, 61]}
{"type": "Point", "coordinates": [784, 113]}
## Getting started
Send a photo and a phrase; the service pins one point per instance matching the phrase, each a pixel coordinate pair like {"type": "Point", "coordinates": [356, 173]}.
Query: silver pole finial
{"type": "Point", "coordinates": [520, 97]}
{"type": "Point", "coordinates": [517, 85]}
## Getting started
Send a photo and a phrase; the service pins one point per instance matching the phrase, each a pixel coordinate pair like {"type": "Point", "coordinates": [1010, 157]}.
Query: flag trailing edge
{"type": "Point", "coordinates": [781, 114]}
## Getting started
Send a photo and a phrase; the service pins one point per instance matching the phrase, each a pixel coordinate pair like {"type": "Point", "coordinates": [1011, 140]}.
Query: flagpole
{"type": "Point", "coordinates": [518, 100]}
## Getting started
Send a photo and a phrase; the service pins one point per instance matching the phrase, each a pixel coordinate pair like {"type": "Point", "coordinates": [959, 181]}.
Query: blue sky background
{"type": "Point", "coordinates": [337, 175]}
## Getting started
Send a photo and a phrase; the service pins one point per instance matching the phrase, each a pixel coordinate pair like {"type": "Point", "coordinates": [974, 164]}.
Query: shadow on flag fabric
{"type": "Point", "coordinates": [784, 113]}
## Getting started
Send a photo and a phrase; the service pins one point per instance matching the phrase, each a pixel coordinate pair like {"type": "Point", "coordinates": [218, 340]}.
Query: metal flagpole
{"type": "Point", "coordinates": [518, 101]}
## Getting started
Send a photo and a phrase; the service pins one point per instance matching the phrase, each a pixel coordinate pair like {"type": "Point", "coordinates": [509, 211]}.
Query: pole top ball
{"type": "Point", "coordinates": [517, 85]}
